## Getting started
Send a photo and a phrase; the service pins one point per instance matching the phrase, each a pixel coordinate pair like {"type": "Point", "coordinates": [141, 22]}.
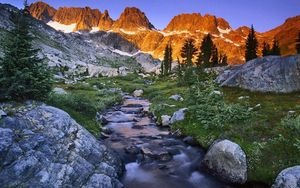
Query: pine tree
{"type": "Point", "coordinates": [266, 49]}
{"type": "Point", "coordinates": [22, 74]}
{"type": "Point", "coordinates": [298, 44]}
{"type": "Point", "coordinates": [188, 52]}
{"type": "Point", "coordinates": [166, 65]}
{"type": "Point", "coordinates": [275, 48]}
{"type": "Point", "coordinates": [206, 50]}
{"type": "Point", "coordinates": [165, 61]}
{"type": "Point", "coordinates": [251, 46]}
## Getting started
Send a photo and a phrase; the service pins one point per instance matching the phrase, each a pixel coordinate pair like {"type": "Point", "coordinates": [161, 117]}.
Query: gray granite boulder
{"type": "Point", "coordinates": [267, 74]}
{"type": "Point", "coordinates": [227, 161]}
{"type": "Point", "coordinates": [178, 115]}
{"type": "Point", "coordinates": [288, 178]}
{"type": "Point", "coordinates": [165, 120]}
{"type": "Point", "coordinates": [45, 147]}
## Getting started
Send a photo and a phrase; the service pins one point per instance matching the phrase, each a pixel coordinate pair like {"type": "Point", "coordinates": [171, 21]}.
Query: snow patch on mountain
{"type": "Point", "coordinates": [127, 32]}
{"type": "Point", "coordinates": [95, 29]}
{"type": "Point", "coordinates": [124, 53]}
{"type": "Point", "coordinates": [224, 31]}
{"type": "Point", "coordinates": [61, 27]}
{"type": "Point", "coordinates": [174, 33]}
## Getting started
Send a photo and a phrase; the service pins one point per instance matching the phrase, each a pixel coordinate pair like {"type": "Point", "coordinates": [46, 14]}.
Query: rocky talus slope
{"type": "Point", "coordinates": [72, 55]}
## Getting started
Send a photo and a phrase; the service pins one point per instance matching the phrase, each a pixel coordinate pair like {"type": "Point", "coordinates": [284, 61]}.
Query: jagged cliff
{"type": "Point", "coordinates": [134, 25]}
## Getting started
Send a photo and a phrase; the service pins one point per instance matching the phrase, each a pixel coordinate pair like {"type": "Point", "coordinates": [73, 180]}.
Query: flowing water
{"type": "Point", "coordinates": [153, 157]}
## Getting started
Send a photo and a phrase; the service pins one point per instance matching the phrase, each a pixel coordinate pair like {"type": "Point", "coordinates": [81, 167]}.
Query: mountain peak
{"type": "Point", "coordinates": [105, 21]}
{"type": "Point", "coordinates": [194, 23]}
{"type": "Point", "coordinates": [42, 11]}
{"type": "Point", "coordinates": [131, 19]}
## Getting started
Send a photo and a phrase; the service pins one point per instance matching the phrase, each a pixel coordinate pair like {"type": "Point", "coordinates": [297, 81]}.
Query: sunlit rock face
{"type": "Point", "coordinates": [132, 19]}
{"type": "Point", "coordinates": [134, 26]}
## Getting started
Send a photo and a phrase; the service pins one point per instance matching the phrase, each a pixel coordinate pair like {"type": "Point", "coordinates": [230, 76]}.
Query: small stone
{"type": "Point", "coordinates": [165, 120]}
{"type": "Point", "coordinates": [2, 114]}
{"type": "Point", "coordinates": [132, 150]}
{"type": "Point", "coordinates": [243, 97]}
{"type": "Point", "coordinates": [176, 97]}
{"type": "Point", "coordinates": [178, 115]}
{"type": "Point", "coordinates": [59, 91]}
{"type": "Point", "coordinates": [138, 93]}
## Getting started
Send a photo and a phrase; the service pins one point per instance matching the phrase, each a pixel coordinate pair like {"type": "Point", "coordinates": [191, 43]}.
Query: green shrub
{"type": "Point", "coordinates": [83, 105]}
{"type": "Point", "coordinates": [210, 109]}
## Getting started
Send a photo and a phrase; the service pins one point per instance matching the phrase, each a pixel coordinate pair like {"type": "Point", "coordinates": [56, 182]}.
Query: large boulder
{"type": "Point", "coordinates": [268, 74]}
{"type": "Point", "coordinates": [227, 161]}
{"type": "Point", "coordinates": [42, 146]}
{"type": "Point", "coordinates": [288, 178]}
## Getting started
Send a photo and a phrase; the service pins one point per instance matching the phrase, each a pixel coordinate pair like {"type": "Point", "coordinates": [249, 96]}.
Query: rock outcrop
{"type": "Point", "coordinates": [42, 146]}
{"type": "Point", "coordinates": [227, 161]}
{"type": "Point", "coordinates": [288, 178]}
{"type": "Point", "coordinates": [268, 74]}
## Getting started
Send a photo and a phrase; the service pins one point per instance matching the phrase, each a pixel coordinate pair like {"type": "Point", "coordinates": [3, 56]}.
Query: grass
{"type": "Point", "coordinates": [83, 102]}
{"type": "Point", "coordinates": [268, 145]}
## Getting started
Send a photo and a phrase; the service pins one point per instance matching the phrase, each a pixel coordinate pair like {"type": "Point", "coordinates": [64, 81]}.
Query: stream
{"type": "Point", "coordinates": [153, 157]}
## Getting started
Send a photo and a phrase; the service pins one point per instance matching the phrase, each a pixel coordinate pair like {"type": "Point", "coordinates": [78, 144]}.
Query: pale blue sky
{"type": "Point", "coordinates": [264, 14]}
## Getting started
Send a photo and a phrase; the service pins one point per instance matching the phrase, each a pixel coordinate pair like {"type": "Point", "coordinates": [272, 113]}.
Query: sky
{"type": "Point", "coordinates": [263, 14]}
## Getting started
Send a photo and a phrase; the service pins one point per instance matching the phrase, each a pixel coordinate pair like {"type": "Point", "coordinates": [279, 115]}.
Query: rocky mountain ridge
{"type": "Point", "coordinates": [89, 54]}
{"type": "Point", "coordinates": [136, 28]}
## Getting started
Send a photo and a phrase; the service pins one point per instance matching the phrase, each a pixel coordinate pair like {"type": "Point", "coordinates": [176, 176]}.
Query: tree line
{"type": "Point", "coordinates": [208, 54]}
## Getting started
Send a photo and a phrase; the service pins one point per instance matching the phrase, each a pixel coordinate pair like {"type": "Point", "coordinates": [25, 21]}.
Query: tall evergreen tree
{"type": "Point", "coordinates": [165, 61]}
{"type": "Point", "coordinates": [275, 48]}
{"type": "Point", "coordinates": [266, 49]}
{"type": "Point", "coordinates": [166, 65]}
{"type": "Point", "coordinates": [188, 52]}
{"type": "Point", "coordinates": [206, 50]}
{"type": "Point", "coordinates": [298, 44]}
{"type": "Point", "coordinates": [251, 45]}
{"type": "Point", "coordinates": [22, 74]}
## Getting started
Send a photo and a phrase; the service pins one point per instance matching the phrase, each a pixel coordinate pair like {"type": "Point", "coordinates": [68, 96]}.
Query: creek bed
{"type": "Point", "coordinates": [153, 157]}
